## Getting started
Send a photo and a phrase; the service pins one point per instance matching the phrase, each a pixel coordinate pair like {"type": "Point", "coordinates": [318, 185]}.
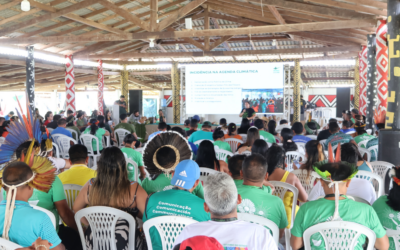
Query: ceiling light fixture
{"type": "Point", "coordinates": [151, 44]}
{"type": "Point", "coordinates": [188, 23]}
{"type": "Point", "coordinates": [25, 5]}
{"type": "Point", "coordinates": [274, 42]}
{"type": "Point", "coordinates": [177, 47]}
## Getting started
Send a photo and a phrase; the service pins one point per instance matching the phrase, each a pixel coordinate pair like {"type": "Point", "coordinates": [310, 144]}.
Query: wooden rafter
{"type": "Point", "coordinates": [139, 82]}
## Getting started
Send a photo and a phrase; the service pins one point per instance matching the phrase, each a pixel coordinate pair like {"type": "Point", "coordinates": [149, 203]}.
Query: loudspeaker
{"type": "Point", "coordinates": [388, 141]}
{"type": "Point", "coordinates": [136, 101]}
{"type": "Point", "coordinates": [342, 100]}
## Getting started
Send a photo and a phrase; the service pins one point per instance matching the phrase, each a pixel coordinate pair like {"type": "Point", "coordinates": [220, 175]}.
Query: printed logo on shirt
{"type": "Point", "coordinates": [236, 248]}
{"type": "Point", "coordinates": [180, 183]}
{"type": "Point", "coordinates": [183, 173]}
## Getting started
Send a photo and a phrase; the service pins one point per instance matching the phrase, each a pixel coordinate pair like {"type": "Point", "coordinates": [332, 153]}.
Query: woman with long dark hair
{"type": "Point", "coordinates": [219, 140]}
{"type": "Point", "coordinates": [96, 131]}
{"type": "Point", "coordinates": [259, 147]}
{"type": "Point", "coordinates": [350, 154]}
{"type": "Point", "coordinates": [244, 126]}
{"type": "Point", "coordinates": [252, 135]}
{"type": "Point", "coordinates": [112, 188]}
{"type": "Point", "coordinates": [206, 157]}
{"type": "Point", "coordinates": [272, 127]}
{"type": "Point", "coordinates": [232, 132]}
{"type": "Point", "coordinates": [287, 140]}
{"type": "Point", "coordinates": [314, 153]}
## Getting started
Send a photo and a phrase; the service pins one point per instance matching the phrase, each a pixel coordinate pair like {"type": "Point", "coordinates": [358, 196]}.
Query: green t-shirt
{"type": "Point", "coordinates": [122, 110]}
{"type": "Point", "coordinates": [136, 157]}
{"type": "Point", "coordinates": [46, 200]}
{"type": "Point", "coordinates": [223, 145]}
{"type": "Point", "coordinates": [257, 201]}
{"type": "Point", "coordinates": [127, 126]}
{"type": "Point", "coordinates": [389, 218]}
{"type": "Point", "coordinates": [268, 137]}
{"type": "Point", "coordinates": [173, 202]}
{"type": "Point", "coordinates": [363, 137]}
{"type": "Point", "coordinates": [163, 183]}
{"type": "Point", "coordinates": [80, 123]}
{"type": "Point", "coordinates": [370, 143]}
{"type": "Point", "coordinates": [239, 183]}
{"type": "Point", "coordinates": [200, 135]}
{"type": "Point", "coordinates": [321, 210]}
{"type": "Point", "coordinates": [337, 138]}
{"type": "Point", "coordinates": [77, 131]}
{"type": "Point", "coordinates": [99, 134]}
{"type": "Point", "coordinates": [186, 129]}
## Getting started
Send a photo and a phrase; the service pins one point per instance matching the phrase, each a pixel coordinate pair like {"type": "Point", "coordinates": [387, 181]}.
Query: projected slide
{"type": "Point", "coordinates": [224, 88]}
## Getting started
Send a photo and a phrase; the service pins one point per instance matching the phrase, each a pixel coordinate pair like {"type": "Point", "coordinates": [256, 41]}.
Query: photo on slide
{"type": "Point", "coordinates": [266, 101]}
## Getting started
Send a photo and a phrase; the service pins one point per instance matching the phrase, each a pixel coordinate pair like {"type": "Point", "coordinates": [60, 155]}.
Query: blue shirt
{"type": "Point", "coordinates": [193, 147]}
{"type": "Point", "coordinates": [345, 131]}
{"type": "Point", "coordinates": [154, 134]}
{"type": "Point", "coordinates": [28, 224]}
{"type": "Point", "coordinates": [301, 138]}
{"type": "Point", "coordinates": [7, 118]}
{"type": "Point", "coordinates": [63, 131]}
{"type": "Point", "coordinates": [200, 135]}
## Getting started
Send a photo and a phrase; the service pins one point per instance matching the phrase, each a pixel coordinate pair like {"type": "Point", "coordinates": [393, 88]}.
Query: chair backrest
{"type": "Point", "coordinates": [140, 150]}
{"type": "Point", "coordinates": [322, 142]}
{"type": "Point", "coordinates": [168, 227]}
{"type": "Point", "coordinates": [119, 135]}
{"type": "Point", "coordinates": [222, 154]}
{"type": "Point", "coordinates": [57, 149]}
{"type": "Point", "coordinates": [102, 221]}
{"type": "Point", "coordinates": [50, 130]}
{"type": "Point", "coordinates": [262, 137]}
{"type": "Point", "coordinates": [247, 153]}
{"type": "Point", "coordinates": [377, 181]}
{"type": "Point", "coordinates": [50, 214]}
{"type": "Point", "coordinates": [369, 131]}
{"type": "Point", "coordinates": [87, 141]}
{"type": "Point", "coordinates": [74, 133]}
{"type": "Point", "coordinates": [8, 245]}
{"type": "Point", "coordinates": [71, 192]}
{"type": "Point", "coordinates": [64, 143]}
{"type": "Point", "coordinates": [197, 143]}
{"type": "Point", "coordinates": [205, 172]}
{"type": "Point", "coordinates": [135, 167]}
{"type": "Point", "coordinates": [234, 143]}
{"type": "Point", "coordinates": [244, 137]}
{"type": "Point", "coordinates": [277, 138]}
{"type": "Point", "coordinates": [301, 145]}
{"type": "Point", "coordinates": [375, 150]}
{"type": "Point", "coordinates": [262, 222]}
{"type": "Point", "coordinates": [382, 168]}
{"type": "Point", "coordinates": [339, 235]}
{"type": "Point", "coordinates": [363, 143]}
{"type": "Point", "coordinates": [280, 190]}
{"type": "Point", "coordinates": [307, 181]}
{"type": "Point", "coordinates": [312, 137]}
{"type": "Point", "coordinates": [394, 234]}
{"type": "Point", "coordinates": [364, 151]}
{"type": "Point", "coordinates": [291, 156]}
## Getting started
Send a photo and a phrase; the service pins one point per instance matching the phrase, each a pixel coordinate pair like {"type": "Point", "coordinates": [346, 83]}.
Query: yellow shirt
{"type": "Point", "coordinates": [78, 174]}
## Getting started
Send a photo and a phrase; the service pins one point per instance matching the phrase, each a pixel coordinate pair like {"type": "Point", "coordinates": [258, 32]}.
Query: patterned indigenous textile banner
{"type": "Point", "coordinates": [100, 81]}
{"type": "Point", "coordinates": [30, 77]}
{"type": "Point", "coordinates": [363, 81]}
{"type": "Point", "coordinates": [69, 84]}
{"type": "Point", "coordinates": [382, 63]}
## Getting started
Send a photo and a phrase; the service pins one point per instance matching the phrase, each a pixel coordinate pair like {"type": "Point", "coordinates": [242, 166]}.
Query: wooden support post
{"type": "Point", "coordinates": [296, 91]}
{"type": "Point", "coordinates": [125, 86]}
{"type": "Point", "coordinates": [207, 27]}
{"type": "Point", "coordinates": [176, 88]}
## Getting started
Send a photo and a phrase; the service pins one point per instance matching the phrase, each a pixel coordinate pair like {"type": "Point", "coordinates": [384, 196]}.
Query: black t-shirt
{"type": "Point", "coordinates": [189, 132]}
{"type": "Point", "coordinates": [250, 112]}
{"type": "Point", "coordinates": [52, 125]}
{"type": "Point", "coordinates": [302, 105]}
{"type": "Point", "coordinates": [323, 135]}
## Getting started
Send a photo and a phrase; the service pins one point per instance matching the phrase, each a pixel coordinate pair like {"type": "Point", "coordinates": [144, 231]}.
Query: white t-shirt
{"type": "Point", "coordinates": [241, 234]}
{"type": "Point", "coordinates": [358, 187]}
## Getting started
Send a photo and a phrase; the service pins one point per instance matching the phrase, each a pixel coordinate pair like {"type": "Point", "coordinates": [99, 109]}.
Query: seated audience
{"type": "Point", "coordinates": [223, 125]}
{"type": "Point", "coordinates": [54, 123]}
{"type": "Point", "coordinates": [336, 136]}
{"type": "Point", "coordinates": [135, 117]}
{"type": "Point", "coordinates": [125, 125]}
{"type": "Point", "coordinates": [102, 124]}
{"type": "Point", "coordinates": [271, 127]}
{"type": "Point", "coordinates": [162, 127]}
{"type": "Point", "coordinates": [252, 135]}
{"type": "Point", "coordinates": [255, 200]}
{"type": "Point", "coordinates": [70, 124]}
{"type": "Point", "coordinates": [311, 128]}
{"type": "Point", "coordinates": [259, 147]}
{"type": "Point", "coordinates": [3, 128]}
{"type": "Point", "coordinates": [362, 134]}
{"type": "Point", "coordinates": [204, 134]}
{"type": "Point", "coordinates": [354, 113]}
{"type": "Point", "coordinates": [70, 113]}
{"type": "Point", "coordinates": [314, 154]}
{"type": "Point", "coordinates": [287, 140]}
{"type": "Point", "coordinates": [184, 135]}
{"type": "Point", "coordinates": [206, 158]}
{"type": "Point", "coordinates": [219, 140]}
{"type": "Point", "coordinates": [298, 131]}
{"type": "Point", "coordinates": [193, 127]}
{"type": "Point", "coordinates": [186, 124]}
{"type": "Point", "coordinates": [199, 243]}
{"type": "Point", "coordinates": [98, 132]}
{"type": "Point", "coordinates": [160, 158]}
{"type": "Point", "coordinates": [346, 128]}
{"type": "Point", "coordinates": [282, 124]}
{"type": "Point", "coordinates": [221, 200]}
{"type": "Point", "coordinates": [349, 118]}
{"type": "Point", "coordinates": [48, 117]}
{"type": "Point", "coordinates": [112, 188]}
{"type": "Point", "coordinates": [130, 153]}
{"type": "Point", "coordinates": [244, 126]}
{"type": "Point", "coordinates": [350, 154]}
{"type": "Point", "coordinates": [324, 209]}
{"type": "Point", "coordinates": [276, 172]}
{"type": "Point", "coordinates": [324, 134]}
{"type": "Point", "coordinates": [235, 167]}
{"type": "Point", "coordinates": [61, 129]}
{"type": "Point", "coordinates": [80, 122]}
{"type": "Point", "coordinates": [185, 178]}
{"type": "Point", "coordinates": [268, 137]}
{"type": "Point", "coordinates": [27, 224]}
{"type": "Point", "coordinates": [232, 132]}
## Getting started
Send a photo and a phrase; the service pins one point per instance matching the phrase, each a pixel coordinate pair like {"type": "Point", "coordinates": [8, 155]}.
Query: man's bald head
{"type": "Point", "coordinates": [254, 168]}
{"type": "Point", "coordinates": [16, 173]}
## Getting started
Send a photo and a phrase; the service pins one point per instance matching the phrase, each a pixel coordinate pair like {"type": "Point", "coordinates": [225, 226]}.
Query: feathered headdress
{"type": "Point", "coordinates": [43, 175]}
{"type": "Point", "coordinates": [25, 129]}
{"type": "Point", "coordinates": [392, 174]}
{"type": "Point", "coordinates": [307, 126]}
{"type": "Point", "coordinates": [380, 115]}
{"type": "Point", "coordinates": [326, 176]}
{"type": "Point", "coordinates": [172, 140]}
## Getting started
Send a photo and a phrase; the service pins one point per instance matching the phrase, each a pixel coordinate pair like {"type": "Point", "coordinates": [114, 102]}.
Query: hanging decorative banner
{"type": "Point", "coordinates": [100, 81]}
{"type": "Point", "coordinates": [371, 80]}
{"type": "Point", "coordinates": [363, 80]}
{"type": "Point", "coordinates": [382, 63]}
{"type": "Point", "coordinates": [69, 84]}
{"type": "Point", "coordinates": [30, 77]}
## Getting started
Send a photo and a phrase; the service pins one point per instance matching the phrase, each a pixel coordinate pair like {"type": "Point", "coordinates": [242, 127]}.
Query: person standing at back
{"type": "Point", "coordinates": [122, 105]}
{"type": "Point", "coordinates": [298, 130]}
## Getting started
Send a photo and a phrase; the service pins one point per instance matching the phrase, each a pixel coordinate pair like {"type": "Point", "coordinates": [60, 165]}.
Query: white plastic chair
{"type": "Point", "coordinates": [312, 137]}
{"type": "Point", "coordinates": [168, 227]}
{"type": "Point", "coordinates": [205, 172]}
{"type": "Point", "coordinates": [246, 153]}
{"type": "Point", "coordinates": [394, 234]}
{"type": "Point", "coordinates": [119, 135]}
{"type": "Point", "coordinates": [291, 156]}
{"type": "Point", "coordinates": [222, 154]}
{"type": "Point", "coordinates": [350, 132]}
{"type": "Point", "coordinates": [376, 180]}
{"type": "Point", "coordinates": [363, 143]}
{"type": "Point", "coordinates": [102, 221]}
{"type": "Point", "coordinates": [262, 137]}
{"type": "Point", "coordinates": [73, 132]}
{"type": "Point", "coordinates": [55, 147]}
{"type": "Point", "coordinates": [322, 142]}
{"type": "Point", "coordinates": [135, 167]}
{"type": "Point", "coordinates": [277, 139]}
{"type": "Point", "coordinates": [87, 141]}
{"type": "Point", "coordinates": [382, 168]}
{"type": "Point", "coordinates": [369, 131]}
{"type": "Point", "coordinates": [8, 245]}
{"type": "Point", "coordinates": [234, 143]}
{"type": "Point", "coordinates": [307, 181]}
{"type": "Point", "coordinates": [364, 151]}
{"type": "Point", "coordinates": [64, 143]}
{"type": "Point", "coordinates": [106, 141]}
{"type": "Point", "coordinates": [71, 192]}
{"type": "Point", "coordinates": [375, 150]}
{"type": "Point", "coordinates": [244, 137]}
{"type": "Point", "coordinates": [50, 130]}
{"type": "Point", "coordinates": [301, 145]}
{"type": "Point", "coordinates": [50, 214]}
{"type": "Point", "coordinates": [140, 150]}
{"type": "Point", "coordinates": [262, 222]}
{"type": "Point", "coordinates": [339, 235]}
{"type": "Point", "coordinates": [280, 190]}
{"type": "Point", "coordinates": [197, 143]}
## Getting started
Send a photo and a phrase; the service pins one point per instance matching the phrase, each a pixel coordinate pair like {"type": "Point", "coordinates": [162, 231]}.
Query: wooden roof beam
{"type": "Point", "coordinates": [356, 7]}
{"type": "Point", "coordinates": [327, 78]}
{"type": "Point", "coordinates": [139, 82]}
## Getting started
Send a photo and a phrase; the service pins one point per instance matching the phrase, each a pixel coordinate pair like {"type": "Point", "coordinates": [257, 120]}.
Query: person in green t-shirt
{"type": "Point", "coordinates": [219, 141]}
{"type": "Point", "coordinates": [130, 153]}
{"type": "Point", "coordinates": [80, 123]}
{"type": "Point", "coordinates": [98, 132]}
{"type": "Point", "coordinates": [324, 210]}
{"type": "Point", "coordinates": [186, 124]}
{"type": "Point", "coordinates": [255, 200]}
{"type": "Point", "coordinates": [362, 134]}
{"type": "Point", "coordinates": [179, 200]}
{"type": "Point", "coordinates": [268, 137]}
{"type": "Point", "coordinates": [125, 125]}
{"type": "Point", "coordinates": [122, 104]}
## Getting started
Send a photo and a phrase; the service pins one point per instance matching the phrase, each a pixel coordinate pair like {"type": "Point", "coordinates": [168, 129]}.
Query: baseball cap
{"type": "Point", "coordinates": [11, 112]}
{"type": "Point", "coordinates": [201, 243]}
{"type": "Point", "coordinates": [196, 117]}
{"type": "Point", "coordinates": [207, 124]}
{"type": "Point", "coordinates": [187, 172]}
